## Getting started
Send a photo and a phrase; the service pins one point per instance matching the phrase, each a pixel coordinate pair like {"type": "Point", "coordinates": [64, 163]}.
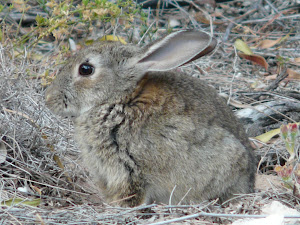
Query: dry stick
{"type": "Point", "coordinates": [205, 13]}
{"type": "Point", "coordinates": [229, 27]}
{"type": "Point", "coordinates": [262, 158]}
{"type": "Point", "coordinates": [14, 218]}
{"type": "Point", "coordinates": [157, 12]}
{"type": "Point", "coordinates": [267, 93]}
{"type": "Point", "coordinates": [48, 185]}
{"type": "Point", "coordinates": [269, 22]}
{"type": "Point", "coordinates": [234, 74]}
{"type": "Point", "coordinates": [237, 21]}
{"type": "Point", "coordinates": [260, 111]}
{"type": "Point", "coordinates": [193, 21]}
{"type": "Point", "coordinates": [272, 6]}
{"type": "Point", "coordinates": [219, 215]}
{"type": "Point", "coordinates": [184, 196]}
{"type": "Point", "coordinates": [267, 19]}
{"type": "Point", "coordinates": [279, 114]}
{"type": "Point", "coordinates": [144, 35]}
{"type": "Point", "coordinates": [128, 211]}
{"type": "Point", "coordinates": [265, 13]}
{"type": "Point", "coordinates": [171, 195]}
{"type": "Point", "coordinates": [283, 74]}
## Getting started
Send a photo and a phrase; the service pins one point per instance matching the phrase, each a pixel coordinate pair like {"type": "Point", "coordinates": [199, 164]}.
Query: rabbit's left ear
{"type": "Point", "coordinates": [177, 49]}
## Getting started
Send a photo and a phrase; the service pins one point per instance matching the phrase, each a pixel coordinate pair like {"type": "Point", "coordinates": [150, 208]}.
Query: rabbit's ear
{"type": "Point", "coordinates": [177, 49]}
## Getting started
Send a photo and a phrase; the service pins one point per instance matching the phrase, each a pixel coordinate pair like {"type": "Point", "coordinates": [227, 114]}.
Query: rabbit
{"type": "Point", "coordinates": [148, 132]}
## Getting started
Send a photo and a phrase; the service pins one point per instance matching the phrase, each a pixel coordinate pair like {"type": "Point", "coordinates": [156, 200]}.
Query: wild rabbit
{"type": "Point", "coordinates": [147, 130]}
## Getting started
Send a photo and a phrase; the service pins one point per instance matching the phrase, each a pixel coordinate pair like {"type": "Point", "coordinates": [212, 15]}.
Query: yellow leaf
{"type": "Point", "coordinates": [242, 46]}
{"type": "Point", "coordinates": [61, 165]}
{"type": "Point", "coordinates": [268, 135]}
{"type": "Point", "coordinates": [113, 38]}
{"type": "Point", "coordinates": [89, 42]}
{"type": "Point", "coordinates": [58, 161]}
{"type": "Point", "coordinates": [15, 201]}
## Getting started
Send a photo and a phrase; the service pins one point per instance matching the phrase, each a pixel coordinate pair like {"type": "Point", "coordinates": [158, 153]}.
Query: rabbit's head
{"type": "Point", "coordinates": [108, 72]}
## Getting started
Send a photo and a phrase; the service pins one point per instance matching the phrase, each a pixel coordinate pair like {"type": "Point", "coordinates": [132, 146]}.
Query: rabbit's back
{"type": "Point", "coordinates": [198, 140]}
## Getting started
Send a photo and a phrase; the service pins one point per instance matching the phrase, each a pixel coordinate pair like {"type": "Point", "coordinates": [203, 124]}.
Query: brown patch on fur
{"type": "Point", "coordinates": [151, 95]}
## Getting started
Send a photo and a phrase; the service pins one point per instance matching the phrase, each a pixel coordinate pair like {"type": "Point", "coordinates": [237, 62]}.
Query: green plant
{"type": "Point", "coordinates": [63, 17]}
{"type": "Point", "coordinates": [290, 172]}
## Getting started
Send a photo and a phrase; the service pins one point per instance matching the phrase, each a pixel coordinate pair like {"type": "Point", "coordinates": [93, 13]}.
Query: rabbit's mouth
{"type": "Point", "coordinates": [61, 110]}
{"type": "Point", "coordinates": [59, 104]}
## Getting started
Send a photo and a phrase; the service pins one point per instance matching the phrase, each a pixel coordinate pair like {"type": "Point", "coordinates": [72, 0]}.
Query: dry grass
{"type": "Point", "coordinates": [43, 159]}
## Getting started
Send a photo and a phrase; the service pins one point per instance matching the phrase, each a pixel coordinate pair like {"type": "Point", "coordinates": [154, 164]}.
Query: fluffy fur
{"type": "Point", "coordinates": [144, 134]}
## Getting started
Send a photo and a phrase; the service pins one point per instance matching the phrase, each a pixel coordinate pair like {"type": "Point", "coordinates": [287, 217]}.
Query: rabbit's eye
{"type": "Point", "coordinates": [86, 69]}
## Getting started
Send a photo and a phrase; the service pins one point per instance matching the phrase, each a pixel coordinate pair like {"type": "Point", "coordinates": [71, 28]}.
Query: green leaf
{"type": "Point", "coordinates": [268, 135]}
{"type": "Point", "coordinates": [40, 20]}
{"type": "Point", "coordinates": [1, 35]}
{"type": "Point", "coordinates": [242, 46]}
{"type": "Point", "coordinates": [85, 2]}
{"type": "Point", "coordinates": [16, 201]}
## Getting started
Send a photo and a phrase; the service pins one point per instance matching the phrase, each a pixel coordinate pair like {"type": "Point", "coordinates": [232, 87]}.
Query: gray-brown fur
{"type": "Point", "coordinates": [144, 133]}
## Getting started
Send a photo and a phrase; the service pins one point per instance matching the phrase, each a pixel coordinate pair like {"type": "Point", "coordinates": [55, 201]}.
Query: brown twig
{"type": "Point", "coordinates": [282, 75]}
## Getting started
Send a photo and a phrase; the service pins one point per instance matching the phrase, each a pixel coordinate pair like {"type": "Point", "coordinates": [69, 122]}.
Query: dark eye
{"type": "Point", "coordinates": [86, 69]}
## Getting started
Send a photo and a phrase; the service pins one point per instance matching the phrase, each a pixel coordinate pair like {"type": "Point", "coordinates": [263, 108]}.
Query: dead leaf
{"type": "Point", "coordinates": [58, 162]}
{"type": "Point", "coordinates": [36, 189]}
{"type": "Point", "coordinates": [235, 103]}
{"type": "Point", "coordinates": [200, 17]}
{"type": "Point", "coordinates": [61, 165]}
{"type": "Point", "coordinates": [292, 74]}
{"type": "Point", "coordinates": [266, 182]}
{"type": "Point", "coordinates": [295, 62]}
{"type": "Point", "coordinates": [256, 59]}
{"type": "Point", "coordinates": [258, 85]}
{"type": "Point", "coordinates": [248, 54]}
{"type": "Point", "coordinates": [268, 43]}
{"type": "Point", "coordinates": [271, 77]}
